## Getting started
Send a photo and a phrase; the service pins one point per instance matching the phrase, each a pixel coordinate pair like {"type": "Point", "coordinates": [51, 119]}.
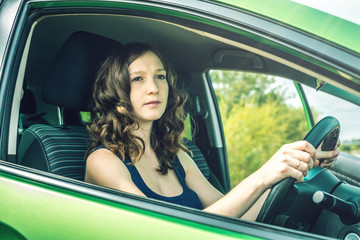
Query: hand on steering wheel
{"type": "Point", "coordinates": [291, 160]}
{"type": "Point", "coordinates": [324, 129]}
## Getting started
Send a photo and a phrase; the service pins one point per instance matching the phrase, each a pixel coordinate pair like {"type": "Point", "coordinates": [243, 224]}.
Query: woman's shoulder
{"type": "Point", "coordinates": [102, 159]}
{"type": "Point", "coordinates": [186, 161]}
{"type": "Point", "coordinates": [105, 168]}
{"type": "Point", "coordinates": [100, 154]}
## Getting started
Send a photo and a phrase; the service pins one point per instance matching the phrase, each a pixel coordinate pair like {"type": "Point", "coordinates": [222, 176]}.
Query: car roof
{"type": "Point", "coordinates": [340, 26]}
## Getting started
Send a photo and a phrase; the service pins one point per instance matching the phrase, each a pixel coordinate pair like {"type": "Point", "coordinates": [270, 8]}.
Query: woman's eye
{"type": "Point", "coordinates": [161, 77]}
{"type": "Point", "coordinates": [136, 79]}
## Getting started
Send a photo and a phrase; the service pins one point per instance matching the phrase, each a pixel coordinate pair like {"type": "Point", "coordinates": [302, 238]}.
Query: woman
{"type": "Point", "coordinates": [137, 127]}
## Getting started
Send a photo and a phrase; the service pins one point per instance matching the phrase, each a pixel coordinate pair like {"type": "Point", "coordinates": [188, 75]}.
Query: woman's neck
{"type": "Point", "coordinates": [144, 132]}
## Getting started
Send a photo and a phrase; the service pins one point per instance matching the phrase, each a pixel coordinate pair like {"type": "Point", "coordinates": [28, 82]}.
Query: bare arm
{"type": "Point", "coordinates": [292, 160]}
{"type": "Point", "coordinates": [106, 169]}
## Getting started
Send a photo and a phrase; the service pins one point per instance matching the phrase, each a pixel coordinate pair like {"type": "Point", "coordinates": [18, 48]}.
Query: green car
{"type": "Point", "coordinates": [258, 73]}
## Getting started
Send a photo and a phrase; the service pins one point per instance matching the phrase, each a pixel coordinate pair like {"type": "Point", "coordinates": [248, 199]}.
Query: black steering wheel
{"type": "Point", "coordinates": [326, 131]}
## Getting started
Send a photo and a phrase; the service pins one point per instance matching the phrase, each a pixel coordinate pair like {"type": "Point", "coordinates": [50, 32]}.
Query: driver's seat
{"type": "Point", "coordinates": [60, 149]}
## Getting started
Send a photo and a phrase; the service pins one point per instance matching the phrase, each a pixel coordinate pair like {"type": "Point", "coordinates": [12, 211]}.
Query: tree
{"type": "Point", "coordinates": [256, 118]}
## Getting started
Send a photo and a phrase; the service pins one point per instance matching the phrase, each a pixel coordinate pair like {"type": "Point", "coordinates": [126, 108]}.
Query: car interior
{"type": "Point", "coordinates": [59, 62]}
{"type": "Point", "coordinates": [56, 83]}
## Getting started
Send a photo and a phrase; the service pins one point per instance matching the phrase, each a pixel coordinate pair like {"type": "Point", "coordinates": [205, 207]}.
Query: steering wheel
{"type": "Point", "coordinates": [326, 129]}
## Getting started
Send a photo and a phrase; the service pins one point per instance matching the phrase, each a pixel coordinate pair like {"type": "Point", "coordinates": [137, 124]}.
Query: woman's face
{"type": "Point", "coordinates": [149, 88]}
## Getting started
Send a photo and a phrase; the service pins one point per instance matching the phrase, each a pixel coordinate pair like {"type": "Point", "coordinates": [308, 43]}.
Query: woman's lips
{"type": "Point", "coordinates": [153, 103]}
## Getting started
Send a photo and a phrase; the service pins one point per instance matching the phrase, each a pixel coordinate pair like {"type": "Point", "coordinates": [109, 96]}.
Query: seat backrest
{"type": "Point", "coordinates": [61, 149]}
{"type": "Point", "coordinates": [56, 150]}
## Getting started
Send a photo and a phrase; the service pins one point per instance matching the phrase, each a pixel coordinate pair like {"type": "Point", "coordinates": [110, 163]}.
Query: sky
{"type": "Point", "coordinates": [346, 9]}
{"type": "Point", "coordinates": [347, 113]}
{"type": "Point", "coordinates": [324, 104]}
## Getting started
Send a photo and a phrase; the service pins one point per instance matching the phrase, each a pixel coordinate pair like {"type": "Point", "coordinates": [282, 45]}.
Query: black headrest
{"type": "Point", "coordinates": [70, 80]}
{"type": "Point", "coordinates": [28, 104]}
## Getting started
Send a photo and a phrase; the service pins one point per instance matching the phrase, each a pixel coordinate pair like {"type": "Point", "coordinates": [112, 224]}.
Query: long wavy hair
{"type": "Point", "coordinates": [114, 129]}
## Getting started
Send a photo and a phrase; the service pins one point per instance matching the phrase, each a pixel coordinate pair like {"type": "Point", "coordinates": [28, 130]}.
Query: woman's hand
{"type": "Point", "coordinates": [327, 159]}
{"type": "Point", "coordinates": [291, 160]}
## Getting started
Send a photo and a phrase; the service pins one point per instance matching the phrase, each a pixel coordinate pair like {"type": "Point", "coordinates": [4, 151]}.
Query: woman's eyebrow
{"type": "Point", "coordinates": [141, 72]}
{"type": "Point", "coordinates": [160, 70]}
{"type": "Point", "coordinates": [137, 72]}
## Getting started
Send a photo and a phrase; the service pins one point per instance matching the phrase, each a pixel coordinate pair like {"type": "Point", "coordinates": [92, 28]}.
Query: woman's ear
{"type": "Point", "coordinates": [121, 109]}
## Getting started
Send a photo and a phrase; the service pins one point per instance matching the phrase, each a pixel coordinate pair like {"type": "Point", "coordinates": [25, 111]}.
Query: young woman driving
{"type": "Point", "coordinates": [137, 127]}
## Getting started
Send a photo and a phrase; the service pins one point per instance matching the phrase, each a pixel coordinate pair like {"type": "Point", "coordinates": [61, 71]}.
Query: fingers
{"type": "Point", "coordinates": [297, 171]}
{"type": "Point", "coordinates": [295, 160]}
{"type": "Point", "coordinates": [327, 154]}
{"type": "Point", "coordinates": [301, 150]}
{"type": "Point", "coordinates": [299, 167]}
{"type": "Point", "coordinates": [328, 163]}
{"type": "Point", "coordinates": [316, 162]}
{"type": "Point", "coordinates": [298, 175]}
{"type": "Point", "coordinates": [304, 146]}
{"type": "Point", "coordinates": [303, 167]}
{"type": "Point", "coordinates": [292, 160]}
{"type": "Point", "coordinates": [302, 158]}
{"type": "Point", "coordinates": [328, 158]}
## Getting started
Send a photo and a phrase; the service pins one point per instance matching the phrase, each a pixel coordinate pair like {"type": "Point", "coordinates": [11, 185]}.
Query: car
{"type": "Point", "coordinates": [50, 52]}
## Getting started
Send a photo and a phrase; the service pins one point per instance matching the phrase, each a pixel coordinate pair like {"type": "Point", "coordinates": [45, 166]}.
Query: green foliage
{"type": "Point", "coordinates": [187, 130]}
{"type": "Point", "coordinates": [85, 117]}
{"type": "Point", "coordinates": [351, 147]}
{"type": "Point", "coordinates": [256, 119]}
{"type": "Point", "coordinates": [232, 88]}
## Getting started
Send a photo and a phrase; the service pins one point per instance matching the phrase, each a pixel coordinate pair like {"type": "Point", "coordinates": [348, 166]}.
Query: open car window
{"type": "Point", "coordinates": [259, 113]}
{"type": "Point", "coordinates": [324, 104]}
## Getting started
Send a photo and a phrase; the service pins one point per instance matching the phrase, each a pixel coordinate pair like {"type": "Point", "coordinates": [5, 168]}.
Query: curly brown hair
{"type": "Point", "coordinates": [114, 129]}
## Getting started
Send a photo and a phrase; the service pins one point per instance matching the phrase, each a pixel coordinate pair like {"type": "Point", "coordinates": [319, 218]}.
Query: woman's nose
{"type": "Point", "coordinates": [152, 86]}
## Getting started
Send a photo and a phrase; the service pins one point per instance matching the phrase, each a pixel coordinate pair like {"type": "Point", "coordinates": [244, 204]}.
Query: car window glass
{"type": "Point", "coordinates": [348, 114]}
{"type": "Point", "coordinates": [259, 114]}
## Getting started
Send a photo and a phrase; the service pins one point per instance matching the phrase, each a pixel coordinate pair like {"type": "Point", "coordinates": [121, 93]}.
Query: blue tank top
{"type": "Point", "coordinates": [187, 198]}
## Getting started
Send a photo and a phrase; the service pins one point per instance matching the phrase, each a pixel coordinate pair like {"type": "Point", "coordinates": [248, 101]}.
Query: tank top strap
{"type": "Point", "coordinates": [178, 168]}
{"type": "Point", "coordinates": [100, 147]}
{"type": "Point", "coordinates": [127, 160]}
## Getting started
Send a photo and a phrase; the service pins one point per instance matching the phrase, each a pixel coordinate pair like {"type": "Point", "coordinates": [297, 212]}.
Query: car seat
{"type": "Point", "coordinates": [61, 149]}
